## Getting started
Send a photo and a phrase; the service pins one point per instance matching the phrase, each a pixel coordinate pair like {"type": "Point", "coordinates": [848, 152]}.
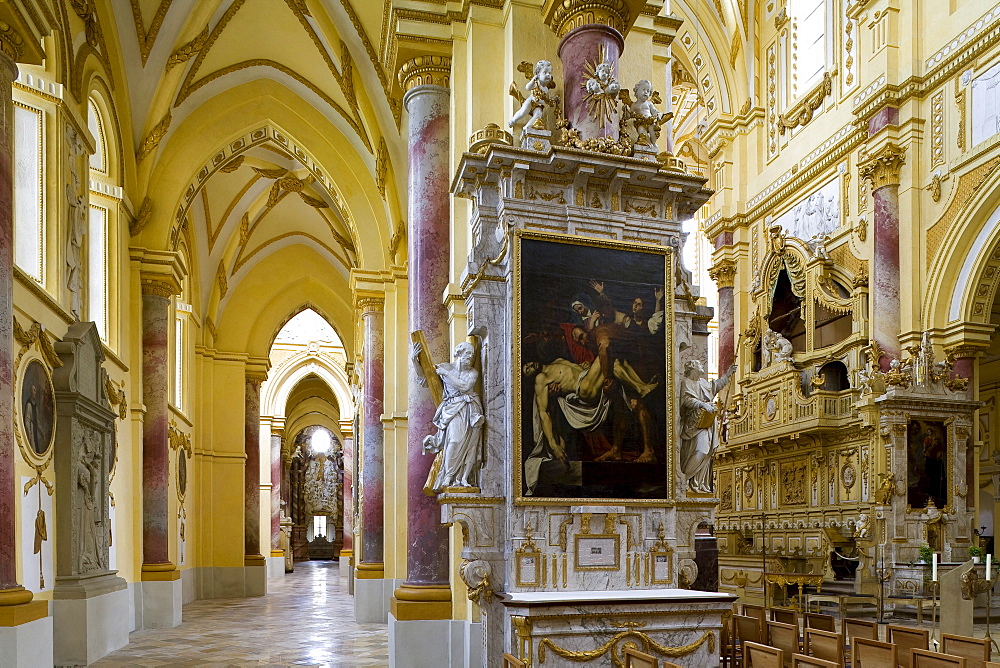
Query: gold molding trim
{"type": "Point", "coordinates": [152, 140]}
{"type": "Point", "coordinates": [425, 70]}
{"type": "Point", "coordinates": [803, 111]}
{"type": "Point", "coordinates": [882, 169]}
{"type": "Point", "coordinates": [563, 16]}
{"type": "Point", "coordinates": [371, 305]}
{"type": "Point", "coordinates": [723, 272]}
{"type": "Point", "coordinates": [147, 38]}
{"type": "Point", "coordinates": [187, 51]}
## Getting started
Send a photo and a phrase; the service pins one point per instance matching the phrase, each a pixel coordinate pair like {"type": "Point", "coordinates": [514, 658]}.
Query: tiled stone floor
{"type": "Point", "coordinates": [307, 618]}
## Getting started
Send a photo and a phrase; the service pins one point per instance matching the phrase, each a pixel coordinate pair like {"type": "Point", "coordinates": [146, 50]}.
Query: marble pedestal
{"type": "Point", "coordinates": [276, 567]}
{"type": "Point", "coordinates": [162, 602]}
{"type": "Point", "coordinates": [435, 642]}
{"type": "Point", "coordinates": [372, 597]}
{"type": "Point", "coordinates": [345, 567]}
{"type": "Point", "coordinates": [255, 579]}
{"type": "Point", "coordinates": [676, 625]}
{"type": "Point", "coordinates": [90, 619]}
{"type": "Point", "coordinates": [27, 645]}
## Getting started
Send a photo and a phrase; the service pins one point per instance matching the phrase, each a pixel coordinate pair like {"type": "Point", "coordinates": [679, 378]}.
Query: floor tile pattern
{"type": "Point", "coordinates": [307, 618]}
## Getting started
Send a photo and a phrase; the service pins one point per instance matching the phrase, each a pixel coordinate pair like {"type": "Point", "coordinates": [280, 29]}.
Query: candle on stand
{"type": "Point", "coordinates": [934, 567]}
{"type": "Point", "coordinates": [989, 567]}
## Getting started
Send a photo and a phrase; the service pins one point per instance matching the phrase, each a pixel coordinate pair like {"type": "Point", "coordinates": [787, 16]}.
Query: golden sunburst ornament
{"type": "Point", "coordinates": [600, 87]}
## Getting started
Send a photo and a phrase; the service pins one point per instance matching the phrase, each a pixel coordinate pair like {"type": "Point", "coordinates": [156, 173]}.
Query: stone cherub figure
{"type": "Point", "coordinates": [459, 420]}
{"type": "Point", "coordinates": [603, 82]}
{"type": "Point", "coordinates": [537, 98]}
{"type": "Point", "coordinates": [646, 118]}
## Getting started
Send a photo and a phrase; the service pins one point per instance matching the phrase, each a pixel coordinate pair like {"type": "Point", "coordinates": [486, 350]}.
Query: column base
{"type": "Point", "coordinates": [371, 599]}
{"type": "Point", "coordinates": [162, 602]}
{"type": "Point", "coordinates": [412, 602]}
{"type": "Point", "coordinates": [276, 564]}
{"type": "Point", "coordinates": [254, 575]}
{"type": "Point", "coordinates": [91, 616]}
{"type": "Point", "coordinates": [26, 634]}
{"type": "Point", "coordinates": [434, 642]}
{"type": "Point", "coordinates": [345, 563]}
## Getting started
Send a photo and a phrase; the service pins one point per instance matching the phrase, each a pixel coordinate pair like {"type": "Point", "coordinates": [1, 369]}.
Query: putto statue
{"type": "Point", "coordinates": [603, 81]}
{"type": "Point", "coordinates": [774, 348]}
{"type": "Point", "coordinates": [537, 98]}
{"type": "Point", "coordinates": [699, 440]}
{"type": "Point", "coordinates": [459, 420]}
{"type": "Point", "coordinates": [646, 119]}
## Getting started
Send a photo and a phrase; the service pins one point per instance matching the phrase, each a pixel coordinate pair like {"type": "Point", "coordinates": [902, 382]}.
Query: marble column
{"type": "Point", "coordinates": [371, 564]}
{"type": "Point", "coordinates": [155, 445]}
{"type": "Point", "coordinates": [882, 173]}
{"type": "Point", "coordinates": [276, 494]}
{"type": "Point", "coordinates": [724, 273]}
{"type": "Point", "coordinates": [251, 474]}
{"type": "Point", "coordinates": [426, 593]}
{"type": "Point", "coordinates": [347, 551]}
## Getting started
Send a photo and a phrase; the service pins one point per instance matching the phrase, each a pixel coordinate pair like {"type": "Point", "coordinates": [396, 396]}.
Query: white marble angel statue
{"type": "Point", "coordinates": [537, 97]}
{"type": "Point", "coordinates": [646, 118]}
{"type": "Point", "coordinates": [603, 82]}
{"type": "Point", "coordinates": [699, 439]}
{"type": "Point", "coordinates": [459, 420]}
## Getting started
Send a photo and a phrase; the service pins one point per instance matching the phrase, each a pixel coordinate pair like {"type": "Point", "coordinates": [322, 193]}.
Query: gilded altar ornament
{"type": "Point", "coordinates": [602, 88]}
{"type": "Point", "coordinates": [476, 575]}
{"type": "Point", "coordinates": [886, 489]}
{"type": "Point", "coordinates": [617, 642]}
{"type": "Point", "coordinates": [537, 96]}
{"type": "Point", "coordinates": [459, 419]}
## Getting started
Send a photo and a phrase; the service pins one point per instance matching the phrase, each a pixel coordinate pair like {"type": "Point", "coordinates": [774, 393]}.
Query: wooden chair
{"type": "Point", "coordinates": [758, 611]}
{"type": "Point", "coordinates": [763, 656]}
{"type": "Point", "coordinates": [922, 658]}
{"type": "Point", "coordinates": [636, 659]}
{"type": "Point", "coordinates": [785, 616]}
{"type": "Point", "coordinates": [803, 661]}
{"type": "Point", "coordinates": [992, 664]}
{"type": "Point", "coordinates": [976, 651]}
{"type": "Point", "coordinates": [745, 629]}
{"type": "Point", "coordinates": [511, 661]}
{"type": "Point", "coordinates": [825, 645]}
{"type": "Point", "coordinates": [814, 620]}
{"type": "Point", "coordinates": [728, 647]}
{"type": "Point", "coordinates": [785, 637]}
{"type": "Point", "coordinates": [859, 628]}
{"type": "Point", "coordinates": [906, 639]}
{"type": "Point", "coordinates": [867, 653]}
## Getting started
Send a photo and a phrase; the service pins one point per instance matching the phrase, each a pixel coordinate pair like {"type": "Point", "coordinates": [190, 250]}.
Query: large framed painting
{"type": "Point", "coordinates": [37, 409]}
{"type": "Point", "coordinates": [593, 408]}
{"type": "Point", "coordinates": [926, 463]}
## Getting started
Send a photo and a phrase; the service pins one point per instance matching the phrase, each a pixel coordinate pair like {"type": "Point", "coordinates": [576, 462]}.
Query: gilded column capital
{"type": "Point", "coordinates": [425, 70]}
{"type": "Point", "coordinates": [723, 273]}
{"type": "Point", "coordinates": [371, 305]}
{"type": "Point", "coordinates": [158, 287]}
{"type": "Point", "coordinates": [256, 377]}
{"type": "Point", "coordinates": [563, 16]}
{"type": "Point", "coordinates": [11, 43]}
{"type": "Point", "coordinates": [882, 169]}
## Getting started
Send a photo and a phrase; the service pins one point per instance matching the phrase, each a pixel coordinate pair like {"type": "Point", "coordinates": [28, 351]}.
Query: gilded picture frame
{"type": "Point", "coordinates": [35, 409]}
{"type": "Point", "coordinates": [577, 302]}
{"type": "Point", "coordinates": [597, 552]}
{"type": "Point", "coordinates": [528, 559]}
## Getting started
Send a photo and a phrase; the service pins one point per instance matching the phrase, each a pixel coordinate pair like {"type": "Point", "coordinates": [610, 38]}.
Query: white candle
{"type": "Point", "coordinates": [989, 566]}
{"type": "Point", "coordinates": [934, 567]}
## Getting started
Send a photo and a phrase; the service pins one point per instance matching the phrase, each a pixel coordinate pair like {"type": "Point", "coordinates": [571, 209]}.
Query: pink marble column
{"type": "Point", "coordinates": [8, 484]}
{"type": "Point", "coordinates": [155, 446]}
{"type": "Point", "coordinates": [429, 237]}
{"type": "Point", "coordinates": [349, 453]}
{"type": "Point", "coordinates": [251, 475]}
{"type": "Point", "coordinates": [373, 465]}
{"type": "Point", "coordinates": [882, 173]}
{"type": "Point", "coordinates": [275, 491]}
{"type": "Point", "coordinates": [724, 273]}
{"type": "Point", "coordinates": [580, 50]}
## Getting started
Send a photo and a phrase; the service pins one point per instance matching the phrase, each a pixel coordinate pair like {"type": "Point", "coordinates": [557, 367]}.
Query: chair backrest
{"type": "Point", "coordinates": [992, 664]}
{"type": "Point", "coordinates": [762, 656]}
{"type": "Point", "coordinates": [906, 639]}
{"type": "Point", "coordinates": [785, 637]}
{"type": "Point", "coordinates": [872, 654]}
{"type": "Point", "coordinates": [785, 616]}
{"type": "Point", "coordinates": [922, 658]}
{"type": "Point", "coordinates": [748, 629]}
{"type": "Point", "coordinates": [975, 650]}
{"type": "Point", "coordinates": [803, 661]}
{"type": "Point", "coordinates": [825, 645]}
{"type": "Point", "coordinates": [860, 629]}
{"type": "Point", "coordinates": [511, 661]}
{"type": "Point", "coordinates": [814, 620]}
{"type": "Point", "coordinates": [758, 611]}
{"type": "Point", "coordinates": [636, 659]}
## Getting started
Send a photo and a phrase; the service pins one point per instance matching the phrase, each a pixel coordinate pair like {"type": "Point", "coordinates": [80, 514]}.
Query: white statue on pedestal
{"type": "Point", "coordinates": [699, 440]}
{"type": "Point", "coordinates": [646, 118]}
{"type": "Point", "coordinates": [459, 420]}
{"type": "Point", "coordinates": [538, 98]}
{"type": "Point", "coordinates": [774, 349]}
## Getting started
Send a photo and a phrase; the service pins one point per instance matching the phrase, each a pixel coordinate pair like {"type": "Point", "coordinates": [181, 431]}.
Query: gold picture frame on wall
{"type": "Point", "coordinates": [581, 306]}
{"type": "Point", "coordinates": [529, 567]}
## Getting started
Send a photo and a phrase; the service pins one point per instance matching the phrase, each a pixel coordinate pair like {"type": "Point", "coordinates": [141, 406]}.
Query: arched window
{"type": "Point", "coordinates": [183, 312]}
{"type": "Point", "coordinates": [809, 30]}
{"type": "Point", "coordinates": [97, 229]}
{"type": "Point", "coordinates": [29, 219]}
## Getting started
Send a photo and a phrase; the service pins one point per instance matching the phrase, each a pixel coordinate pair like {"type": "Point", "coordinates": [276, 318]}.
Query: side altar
{"type": "Point", "coordinates": [576, 432]}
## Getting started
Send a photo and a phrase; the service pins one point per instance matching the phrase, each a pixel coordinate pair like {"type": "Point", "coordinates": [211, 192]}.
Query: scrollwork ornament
{"type": "Point", "coordinates": [476, 576]}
